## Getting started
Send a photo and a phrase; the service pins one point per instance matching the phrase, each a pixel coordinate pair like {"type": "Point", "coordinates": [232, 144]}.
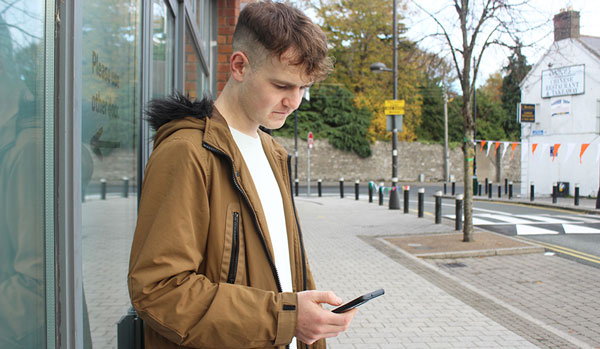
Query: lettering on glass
{"type": "Point", "coordinates": [105, 104]}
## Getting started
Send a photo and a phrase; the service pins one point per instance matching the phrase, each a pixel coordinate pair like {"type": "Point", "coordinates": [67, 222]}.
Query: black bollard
{"type": "Point", "coordinates": [103, 189]}
{"type": "Point", "coordinates": [371, 184]}
{"type": "Point", "coordinates": [598, 199]}
{"type": "Point", "coordinates": [297, 185]}
{"type": "Point", "coordinates": [576, 194]}
{"type": "Point", "coordinates": [453, 188]}
{"type": "Point", "coordinates": [445, 191]}
{"type": "Point", "coordinates": [356, 188]}
{"type": "Point", "coordinates": [458, 210]}
{"type": "Point", "coordinates": [394, 201]}
{"type": "Point", "coordinates": [479, 189]}
{"type": "Point", "coordinates": [125, 192]}
{"type": "Point", "coordinates": [489, 190]}
{"type": "Point", "coordinates": [421, 204]}
{"type": "Point", "coordinates": [554, 193]}
{"type": "Point", "coordinates": [406, 196]}
{"type": "Point", "coordinates": [319, 187]}
{"type": "Point", "coordinates": [499, 191]}
{"type": "Point", "coordinates": [486, 185]}
{"type": "Point", "coordinates": [505, 185]}
{"type": "Point", "coordinates": [510, 190]}
{"type": "Point", "coordinates": [380, 195]}
{"type": "Point", "coordinates": [531, 192]}
{"type": "Point", "coordinates": [342, 187]}
{"type": "Point", "coordinates": [438, 207]}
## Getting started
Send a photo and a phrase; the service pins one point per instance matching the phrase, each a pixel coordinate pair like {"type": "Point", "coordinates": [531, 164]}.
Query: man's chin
{"type": "Point", "coordinates": [275, 124]}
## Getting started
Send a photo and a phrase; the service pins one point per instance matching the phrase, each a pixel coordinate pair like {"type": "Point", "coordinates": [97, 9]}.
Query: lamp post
{"type": "Point", "coordinates": [379, 67]}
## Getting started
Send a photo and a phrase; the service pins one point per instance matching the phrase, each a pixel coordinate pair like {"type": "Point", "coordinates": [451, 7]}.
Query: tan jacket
{"type": "Point", "coordinates": [201, 271]}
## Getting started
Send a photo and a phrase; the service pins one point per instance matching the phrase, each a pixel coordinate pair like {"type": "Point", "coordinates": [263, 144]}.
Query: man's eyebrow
{"type": "Point", "coordinates": [287, 83]}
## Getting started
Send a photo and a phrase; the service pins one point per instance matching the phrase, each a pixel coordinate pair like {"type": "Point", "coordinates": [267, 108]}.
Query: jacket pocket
{"type": "Point", "coordinates": [235, 249]}
{"type": "Point", "coordinates": [233, 259]}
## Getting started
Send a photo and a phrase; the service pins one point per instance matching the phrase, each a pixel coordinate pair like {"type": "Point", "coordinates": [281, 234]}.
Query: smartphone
{"type": "Point", "coordinates": [358, 301]}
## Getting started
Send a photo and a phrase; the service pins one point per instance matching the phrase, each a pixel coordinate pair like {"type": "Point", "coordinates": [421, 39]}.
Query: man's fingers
{"type": "Point", "coordinates": [327, 297]}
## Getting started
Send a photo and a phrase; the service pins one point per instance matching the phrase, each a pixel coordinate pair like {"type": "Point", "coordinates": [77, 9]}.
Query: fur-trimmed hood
{"type": "Point", "coordinates": [177, 106]}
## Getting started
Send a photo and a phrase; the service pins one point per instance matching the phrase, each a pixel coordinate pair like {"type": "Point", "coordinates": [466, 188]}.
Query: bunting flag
{"type": "Point", "coordinates": [490, 143]}
{"type": "Point", "coordinates": [533, 147]}
{"type": "Point", "coordinates": [505, 148]}
{"type": "Point", "coordinates": [496, 149]}
{"type": "Point", "coordinates": [514, 146]}
{"type": "Point", "coordinates": [544, 150]}
{"type": "Point", "coordinates": [570, 148]}
{"type": "Point", "coordinates": [482, 144]}
{"type": "Point", "coordinates": [555, 152]}
{"type": "Point", "coordinates": [584, 147]}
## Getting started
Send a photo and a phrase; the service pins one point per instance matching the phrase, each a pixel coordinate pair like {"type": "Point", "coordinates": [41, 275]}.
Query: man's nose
{"type": "Point", "coordinates": [294, 99]}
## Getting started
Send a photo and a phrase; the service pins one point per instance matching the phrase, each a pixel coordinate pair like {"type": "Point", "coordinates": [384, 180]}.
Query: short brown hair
{"type": "Point", "coordinates": [277, 28]}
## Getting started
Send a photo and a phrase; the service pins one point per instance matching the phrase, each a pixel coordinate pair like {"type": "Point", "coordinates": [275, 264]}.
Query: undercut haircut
{"type": "Point", "coordinates": [269, 29]}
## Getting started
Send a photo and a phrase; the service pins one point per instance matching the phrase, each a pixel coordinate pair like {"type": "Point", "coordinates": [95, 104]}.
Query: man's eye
{"type": "Point", "coordinates": [281, 87]}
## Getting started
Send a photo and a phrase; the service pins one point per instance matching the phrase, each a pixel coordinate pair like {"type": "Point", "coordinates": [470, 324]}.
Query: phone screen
{"type": "Point", "coordinates": [358, 301]}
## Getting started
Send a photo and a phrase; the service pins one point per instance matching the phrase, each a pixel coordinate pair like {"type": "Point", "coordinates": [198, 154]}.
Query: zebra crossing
{"type": "Point", "coordinates": [527, 224]}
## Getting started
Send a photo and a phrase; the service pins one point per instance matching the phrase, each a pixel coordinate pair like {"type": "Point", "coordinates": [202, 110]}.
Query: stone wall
{"type": "Point", "coordinates": [329, 164]}
{"type": "Point", "coordinates": [414, 158]}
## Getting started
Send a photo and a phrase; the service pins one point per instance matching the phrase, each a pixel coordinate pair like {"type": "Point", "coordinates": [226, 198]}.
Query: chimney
{"type": "Point", "coordinates": [566, 25]}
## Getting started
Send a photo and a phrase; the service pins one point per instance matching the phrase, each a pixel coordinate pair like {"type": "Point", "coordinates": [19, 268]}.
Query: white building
{"type": "Point", "coordinates": [564, 86]}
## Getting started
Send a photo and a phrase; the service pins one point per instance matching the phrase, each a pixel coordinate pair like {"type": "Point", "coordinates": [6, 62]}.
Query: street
{"type": "Point", "coordinates": [569, 234]}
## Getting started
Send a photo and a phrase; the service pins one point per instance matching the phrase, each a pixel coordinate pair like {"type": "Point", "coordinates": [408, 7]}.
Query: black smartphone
{"type": "Point", "coordinates": [358, 301]}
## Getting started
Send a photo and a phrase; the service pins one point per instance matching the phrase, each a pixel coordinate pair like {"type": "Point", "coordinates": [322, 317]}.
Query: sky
{"type": "Point", "coordinates": [536, 16]}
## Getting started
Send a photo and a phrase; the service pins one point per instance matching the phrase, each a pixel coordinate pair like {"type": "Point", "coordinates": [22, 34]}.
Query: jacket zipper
{"type": "Point", "coordinates": [235, 249]}
{"type": "Point", "coordinates": [304, 283]}
{"type": "Point", "coordinates": [262, 236]}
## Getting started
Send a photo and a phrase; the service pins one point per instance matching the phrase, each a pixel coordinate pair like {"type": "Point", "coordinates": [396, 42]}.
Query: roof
{"type": "Point", "coordinates": [592, 43]}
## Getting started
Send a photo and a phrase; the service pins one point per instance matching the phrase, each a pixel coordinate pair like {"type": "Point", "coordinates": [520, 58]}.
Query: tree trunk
{"type": "Point", "coordinates": [469, 153]}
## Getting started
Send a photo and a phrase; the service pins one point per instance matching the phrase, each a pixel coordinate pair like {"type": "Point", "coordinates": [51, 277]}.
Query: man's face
{"type": "Point", "coordinates": [271, 91]}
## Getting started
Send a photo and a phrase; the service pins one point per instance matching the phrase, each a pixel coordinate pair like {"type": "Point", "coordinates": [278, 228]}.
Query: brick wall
{"type": "Point", "coordinates": [227, 13]}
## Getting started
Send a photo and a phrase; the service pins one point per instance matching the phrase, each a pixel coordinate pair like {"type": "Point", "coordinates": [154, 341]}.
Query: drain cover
{"type": "Point", "coordinates": [454, 265]}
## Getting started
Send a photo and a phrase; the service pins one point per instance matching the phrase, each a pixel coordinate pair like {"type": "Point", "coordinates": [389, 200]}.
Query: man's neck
{"type": "Point", "coordinates": [228, 106]}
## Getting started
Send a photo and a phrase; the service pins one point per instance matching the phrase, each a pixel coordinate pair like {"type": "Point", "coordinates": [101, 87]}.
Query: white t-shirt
{"type": "Point", "coordinates": [271, 201]}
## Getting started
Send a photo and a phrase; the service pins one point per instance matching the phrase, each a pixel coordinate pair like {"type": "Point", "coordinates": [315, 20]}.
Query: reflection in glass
{"type": "Point", "coordinates": [196, 81]}
{"type": "Point", "coordinates": [110, 112]}
{"type": "Point", "coordinates": [22, 291]}
{"type": "Point", "coordinates": [163, 41]}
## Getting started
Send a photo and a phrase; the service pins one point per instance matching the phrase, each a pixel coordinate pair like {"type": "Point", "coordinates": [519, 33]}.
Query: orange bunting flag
{"type": "Point", "coordinates": [555, 152]}
{"type": "Point", "coordinates": [482, 144]}
{"type": "Point", "coordinates": [533, 147]}
{"type": "Point", "coordinates": [513, 146]}
{"type": "Point", "coordinates": [496, 149]}
{"type": "Point", "coordinates": [584, 147]}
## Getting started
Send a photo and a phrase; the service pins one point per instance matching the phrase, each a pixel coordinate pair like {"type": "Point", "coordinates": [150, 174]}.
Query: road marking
{"type": "Point", "coordinates": [579, 229]}
{"type": "Point", "coordinates": [544, 219]}
{"type": "Point", "coordinates": [564, 250]}
{"type": "Point", "coordinates": [525, 229]}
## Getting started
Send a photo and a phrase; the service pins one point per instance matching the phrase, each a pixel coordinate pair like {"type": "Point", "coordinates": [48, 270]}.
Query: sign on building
{"type": "Point", "coordinates": [563, 81]}
{"type": "Point", "coordinates": [527, 112]}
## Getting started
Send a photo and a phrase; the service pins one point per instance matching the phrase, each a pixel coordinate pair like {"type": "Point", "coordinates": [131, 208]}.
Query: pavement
{"type": "Point", "coordinates": [440, 292]}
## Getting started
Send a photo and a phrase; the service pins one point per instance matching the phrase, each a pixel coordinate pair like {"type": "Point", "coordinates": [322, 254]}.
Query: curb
{"type": "Point", "coordinates": [483, 253]}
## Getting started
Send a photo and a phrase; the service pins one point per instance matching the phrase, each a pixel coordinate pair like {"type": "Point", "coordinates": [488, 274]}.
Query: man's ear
{"type": "Point", "coordinates": [239, 65]}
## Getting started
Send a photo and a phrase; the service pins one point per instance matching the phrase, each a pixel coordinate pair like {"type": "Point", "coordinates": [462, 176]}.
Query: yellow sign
{"type": "Point", "coordinates": [394, 107]}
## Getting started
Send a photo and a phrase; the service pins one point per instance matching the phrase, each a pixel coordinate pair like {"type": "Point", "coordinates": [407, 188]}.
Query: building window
{"type": "Point", "coordinates": [196, 78]}
{"type": "Point", "coordinates": [23, 166]}
{"type": "Point", "coordinates": [163, 49]}
{"type": "Point", "coordinates": [110, 108]}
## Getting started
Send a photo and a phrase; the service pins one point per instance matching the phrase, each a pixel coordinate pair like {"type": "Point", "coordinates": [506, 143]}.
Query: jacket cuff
{"type": "Point", "coordinates": [287, 318]}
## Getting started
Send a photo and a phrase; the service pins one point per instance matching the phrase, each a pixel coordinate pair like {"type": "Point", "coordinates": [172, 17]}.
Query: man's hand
{"type": "Point", "coordinates": [314, 322]}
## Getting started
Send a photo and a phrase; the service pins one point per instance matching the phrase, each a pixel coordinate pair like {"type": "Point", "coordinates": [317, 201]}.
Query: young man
{"type": "Point", "coordinates": [217, 259]}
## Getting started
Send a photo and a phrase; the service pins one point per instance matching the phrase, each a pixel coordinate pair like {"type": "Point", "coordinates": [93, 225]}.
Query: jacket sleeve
{"type": "Point", "coordinates": [165, 286]}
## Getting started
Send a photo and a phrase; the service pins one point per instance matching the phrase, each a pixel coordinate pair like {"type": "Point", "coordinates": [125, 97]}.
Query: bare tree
{"type": "Point", "coordinates": [473, 27]}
